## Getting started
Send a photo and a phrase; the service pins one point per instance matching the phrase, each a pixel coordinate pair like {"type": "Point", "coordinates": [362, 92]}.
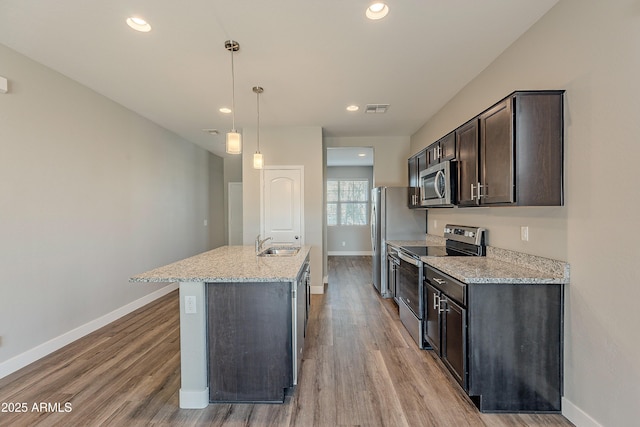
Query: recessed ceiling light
{"type": "Point", "coordinates": [225, 110]}
{"type": "Point", "coordinates": [377, 10]}
{"type": "Point", "coordinates": [353, 108]}
{"type": "Point", "coordinates": [361, 155]}
{"type": "Point", "coordinates": [138, 24]}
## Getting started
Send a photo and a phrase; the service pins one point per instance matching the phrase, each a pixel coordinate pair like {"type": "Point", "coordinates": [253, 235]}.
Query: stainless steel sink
{"type": "Point", "coordinates": [280, 251]}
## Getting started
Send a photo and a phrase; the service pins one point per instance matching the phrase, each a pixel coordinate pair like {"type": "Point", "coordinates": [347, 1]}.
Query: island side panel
{"type": "Point", "coordinates": [249, 330]}
{"type": "Point", "coordinates": [194, 390]}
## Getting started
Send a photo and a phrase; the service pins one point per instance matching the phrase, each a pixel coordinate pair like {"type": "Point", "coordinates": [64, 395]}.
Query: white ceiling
{"type": "Point", "coordinates": [312, 57]}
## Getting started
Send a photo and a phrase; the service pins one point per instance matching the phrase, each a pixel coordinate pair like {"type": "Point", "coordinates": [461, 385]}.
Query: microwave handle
{"type": "Point", "coordinates": [435, 183]}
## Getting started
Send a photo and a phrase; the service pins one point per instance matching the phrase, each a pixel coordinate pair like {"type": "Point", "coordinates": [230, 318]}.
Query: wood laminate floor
{"type": "Point", "coordinates": [360, 368]}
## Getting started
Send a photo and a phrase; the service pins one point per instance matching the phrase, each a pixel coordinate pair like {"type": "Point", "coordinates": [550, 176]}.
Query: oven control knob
{"type": "Point", "coordinates": [447, 230]}
{"type": "Point", "coordinates": [470, 234]}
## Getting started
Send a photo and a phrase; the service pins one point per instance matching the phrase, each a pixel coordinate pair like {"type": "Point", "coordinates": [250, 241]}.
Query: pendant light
{"type": "Point", "coordinates": [234, 139]}
{"type": "Point", "coordinates": [258, 160]}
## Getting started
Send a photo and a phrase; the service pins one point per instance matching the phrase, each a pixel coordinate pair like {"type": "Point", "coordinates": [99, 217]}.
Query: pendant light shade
{"type": "Point", "coordinates": [234, 139]}
{"type": "Point", "coordinates": [234, 142]}
{"type": "Point", "coordinates": [258, 160]}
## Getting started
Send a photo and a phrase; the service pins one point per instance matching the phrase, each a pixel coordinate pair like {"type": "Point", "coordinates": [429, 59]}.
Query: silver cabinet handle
{"type": "Point", "coordinates": [436, 301]}
{"type": "Point", "coordinates": [473, 187]}
{"type": "Point", "coordinates": [480, 186]}
{"type": "Point", "coordinates": [440, 301]}
{"type": "Point", "coordinates": [439, 281]}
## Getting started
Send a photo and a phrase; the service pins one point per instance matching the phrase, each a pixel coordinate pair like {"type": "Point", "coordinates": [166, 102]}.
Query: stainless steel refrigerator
{"type": "Point", "coordinates": [391, 219]}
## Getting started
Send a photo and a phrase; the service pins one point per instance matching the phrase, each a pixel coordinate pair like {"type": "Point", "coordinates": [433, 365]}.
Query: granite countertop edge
{"type": "Point", "coordinates": [500, 266]}
{"type": "Point", "coordinates": [228, 264]}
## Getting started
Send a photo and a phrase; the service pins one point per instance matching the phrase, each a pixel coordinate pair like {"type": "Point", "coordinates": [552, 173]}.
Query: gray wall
{"type": "Point", "coordinates": [591, 49]}
{"type": "Point", "coordinates": [390, 154]}
{"type": "Point", "coordinates": [90, 194]}
{"type": "Point", "coordinates": [357, 239]}
{"type": "Point", "coordinates": [217, 202]}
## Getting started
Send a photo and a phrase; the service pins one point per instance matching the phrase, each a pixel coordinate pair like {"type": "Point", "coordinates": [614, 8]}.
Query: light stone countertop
{"type": "Point", "coordinates": [228, 264]}
{"type": "Point", "coordinates": [499, 266]}
{"type": "Point", "coordinates": [478, 270]}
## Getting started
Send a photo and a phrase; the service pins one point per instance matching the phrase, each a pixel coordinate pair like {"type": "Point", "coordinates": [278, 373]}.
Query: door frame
{"type": "Point", "coordinates": [284, 167]}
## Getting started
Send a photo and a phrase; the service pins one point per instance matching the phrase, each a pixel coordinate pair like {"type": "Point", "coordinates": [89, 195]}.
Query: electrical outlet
{"type": "Point", "coordinates": [344, 243]}
{"type": "Point", "coordinates": [190, 304]}
{"type": "Point", "coordinates": [206, 222]}
{"type": "Point", "coordinates": [435, 224]}
{"type": "Point", "coordinates": [524, 233]}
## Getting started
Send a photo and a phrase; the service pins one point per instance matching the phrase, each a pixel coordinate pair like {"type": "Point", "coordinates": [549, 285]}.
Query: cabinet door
{"type": "Point", "coordinates": [432, 316]}
{"type": "Point", "coordinates": [454, 340]}
{"type": "Point", "coordinates": [412, 165]}
{"type": "Point", "coordinates": [448, 147]}
{"type": "Point", "coordinates": [496, 150]}
{"type": "Point", "coordinates": [416, 164]}
{"type": "Point", "coordinates": [467, 148]}
{"type": "Point", "coordinates": [433, 157]}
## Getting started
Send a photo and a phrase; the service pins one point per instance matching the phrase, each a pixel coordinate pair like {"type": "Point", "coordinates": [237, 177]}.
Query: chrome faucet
{"type": "Point", "coordinates": [259, 243]}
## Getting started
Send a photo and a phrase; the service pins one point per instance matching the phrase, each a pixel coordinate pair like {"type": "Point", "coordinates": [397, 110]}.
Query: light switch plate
{"type": "Point", "coordinates": [4, 85]}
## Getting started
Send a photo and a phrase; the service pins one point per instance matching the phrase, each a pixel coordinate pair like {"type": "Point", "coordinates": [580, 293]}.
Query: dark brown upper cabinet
{"type": "Point", "coordinates": [517, 157]}
{"type": "Point", "coordinates": [467, 158]}
{"type": "Point", "coordinates": [441, 150]}
{"type": "Point", "coordinates": [416, 164]}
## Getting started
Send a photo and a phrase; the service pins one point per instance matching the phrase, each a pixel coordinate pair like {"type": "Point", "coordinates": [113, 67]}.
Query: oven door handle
{"type": "Point", "coordinates": [409, 259]}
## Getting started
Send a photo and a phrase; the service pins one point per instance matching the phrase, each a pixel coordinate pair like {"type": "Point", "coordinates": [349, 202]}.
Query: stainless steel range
{"type": "Point", "coordinates": [460, 241]}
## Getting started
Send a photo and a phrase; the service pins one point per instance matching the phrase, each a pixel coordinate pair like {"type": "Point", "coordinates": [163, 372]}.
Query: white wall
{"type": "Point", "coordinates": [281, 147]}
{"type": "Point", "coordinates": [90, 194]}
{"type": "Point", "coordinates": [591, 48]}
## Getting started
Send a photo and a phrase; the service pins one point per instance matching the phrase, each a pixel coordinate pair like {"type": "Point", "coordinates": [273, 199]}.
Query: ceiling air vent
{"type": "Point", "coordinates": [376, 108]}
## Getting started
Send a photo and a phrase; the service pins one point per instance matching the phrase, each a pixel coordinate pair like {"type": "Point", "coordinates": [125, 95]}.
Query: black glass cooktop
{"type": "Point", "coordinates": [427, 250]}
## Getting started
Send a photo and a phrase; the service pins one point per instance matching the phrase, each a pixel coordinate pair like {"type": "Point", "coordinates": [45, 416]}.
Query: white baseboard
{"type": "Point", "coordinates": [316, 289]}
{"type": "Point", "coordinates": [20, 361]}
{"type": "Point", "coordinates": [194, 399]}
{"type": "Point", "coordinates": [576, 415]}
{"type": "Point", "coordinates": [349, 253]}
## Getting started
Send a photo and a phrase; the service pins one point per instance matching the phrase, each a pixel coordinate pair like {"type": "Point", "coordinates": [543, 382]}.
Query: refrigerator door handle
{"type": "Point", "coordinates": [373, 228]}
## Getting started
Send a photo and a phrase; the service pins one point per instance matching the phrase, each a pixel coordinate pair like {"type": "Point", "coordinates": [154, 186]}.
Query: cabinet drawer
{"type": "Point", "coordinates": [449, 286]}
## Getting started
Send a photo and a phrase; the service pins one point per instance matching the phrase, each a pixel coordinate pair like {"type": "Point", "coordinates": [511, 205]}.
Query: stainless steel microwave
{"type": "Point", "coordinates": [437, 185]}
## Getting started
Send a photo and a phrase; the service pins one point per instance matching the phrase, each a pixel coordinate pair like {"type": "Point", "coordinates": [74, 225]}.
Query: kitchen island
{"type": "Point", "coordinates": [242, 320]}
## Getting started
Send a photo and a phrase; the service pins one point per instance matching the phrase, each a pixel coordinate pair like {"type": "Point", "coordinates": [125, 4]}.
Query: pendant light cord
{"type": "Point", "coordinates": [258, 125]}
{"type": "Point", "coordinates": [233, 91]}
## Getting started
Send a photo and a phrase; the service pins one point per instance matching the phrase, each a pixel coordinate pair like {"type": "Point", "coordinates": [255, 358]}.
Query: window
{"type": "Point", "coordinates": [347, 201]}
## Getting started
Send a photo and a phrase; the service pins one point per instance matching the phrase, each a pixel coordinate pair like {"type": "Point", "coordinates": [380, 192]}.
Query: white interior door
{"type": "Point", "coordinates": [235, 213]}
{"type": "Point", "coordinates": [282, 204]}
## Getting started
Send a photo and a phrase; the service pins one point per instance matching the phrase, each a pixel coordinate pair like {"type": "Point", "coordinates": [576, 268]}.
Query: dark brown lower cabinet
{"type": "Point", "coordinates": [250, 341]}
{"type": "Point", "coordinates": [515, 345]}
{"type": "Point", "coordinates": [255, 337]}
{"type": "Point", "coordinates": [502, 343]}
